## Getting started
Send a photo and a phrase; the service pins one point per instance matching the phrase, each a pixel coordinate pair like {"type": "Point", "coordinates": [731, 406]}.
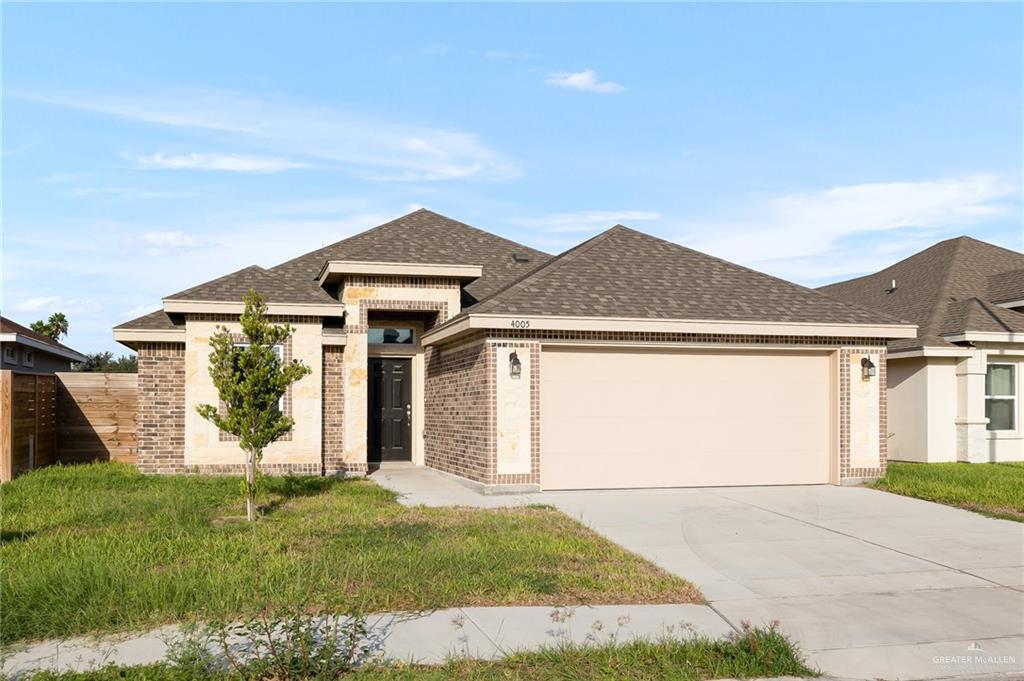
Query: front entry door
{"type": "Point", "coordinates": [390, 416]}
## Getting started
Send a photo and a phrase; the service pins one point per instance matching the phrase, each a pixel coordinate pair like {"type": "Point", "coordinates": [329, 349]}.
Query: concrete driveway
{"type": "Point", "coordinates": [871, 585]}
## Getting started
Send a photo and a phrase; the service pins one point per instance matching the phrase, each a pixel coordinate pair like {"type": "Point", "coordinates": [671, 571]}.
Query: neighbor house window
{"type": "Point", "coordinates": [1001, 396]}
{"type": "Point", "coordinates": [28, 357]}
{"type": "Point", "coordinates": [11, 354]}
{"type": "Point", "coordinates": [390, 336]}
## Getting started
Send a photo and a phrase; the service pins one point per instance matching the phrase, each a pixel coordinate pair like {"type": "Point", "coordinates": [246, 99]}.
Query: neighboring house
{"type": "Point", "coordinates": [627, 361]}
{"type": "Point", "coordinates": [25, 351]}
{"type": "Point", "coordinates": [954, 389]}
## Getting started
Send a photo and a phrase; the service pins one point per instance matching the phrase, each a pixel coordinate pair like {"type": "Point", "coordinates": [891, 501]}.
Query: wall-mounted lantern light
{"type": "Point", "coordinates": [867, 369]}
{"type": "Point", "coordinates": [515, 367]}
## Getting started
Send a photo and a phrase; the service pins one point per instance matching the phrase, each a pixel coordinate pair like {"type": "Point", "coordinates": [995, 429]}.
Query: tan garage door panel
{"type": "Point", "coordinates": [614, 418]}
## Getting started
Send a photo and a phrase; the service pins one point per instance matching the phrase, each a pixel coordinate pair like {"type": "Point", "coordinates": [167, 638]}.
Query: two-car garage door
{"type": "Point", "coordinates": [626, 418]}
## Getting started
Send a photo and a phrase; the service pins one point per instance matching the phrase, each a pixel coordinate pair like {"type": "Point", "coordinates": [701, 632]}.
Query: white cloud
{"type": "Point", "coordinates": [583, 80]}
{"type": "Point", "coordinates": [370, 146]}
{"type": "Point", "coordinates": [588, 221]}
{"type": "Point", "coordinates": [817, 235]}
{"type": "Point", "coordinates": [36, 303]}
{"type": "Point", "coordinates": [236, 163]}
{"type": "Point", "coordinates": [128, 193]}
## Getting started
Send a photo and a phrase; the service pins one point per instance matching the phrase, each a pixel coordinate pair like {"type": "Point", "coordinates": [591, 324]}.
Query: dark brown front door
{"type": "Point", "coordinates": [390, 417]}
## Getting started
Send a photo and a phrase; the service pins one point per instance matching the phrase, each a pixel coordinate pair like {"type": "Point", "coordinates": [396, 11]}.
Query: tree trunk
{"type": "Point", "coordinates": [250, 479]}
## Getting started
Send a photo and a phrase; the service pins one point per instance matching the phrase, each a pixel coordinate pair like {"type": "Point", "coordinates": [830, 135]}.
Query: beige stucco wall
{"type": "Point", "coordinates": [202, 442]}
{"type": "Point", "coordinates": [908, 409]}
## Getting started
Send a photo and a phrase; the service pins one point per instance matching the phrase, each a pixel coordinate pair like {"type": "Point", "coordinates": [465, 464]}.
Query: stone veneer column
{"type": "Point", "coordinates": [355, 400]}
{"type": "Point", "coordinates": [971, 422]}
{"type": "Point", "coordinates": [161, 414]}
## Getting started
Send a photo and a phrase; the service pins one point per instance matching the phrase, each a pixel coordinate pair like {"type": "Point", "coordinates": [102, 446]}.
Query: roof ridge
{"type": "Point", "coordinates": [560, 258]}
{"type": "Point", "coordinates": [402, 217]}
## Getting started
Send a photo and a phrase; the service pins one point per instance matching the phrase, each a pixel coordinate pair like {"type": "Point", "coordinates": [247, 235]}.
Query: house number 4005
{"type": "Point", "coordinates": [520, 323]}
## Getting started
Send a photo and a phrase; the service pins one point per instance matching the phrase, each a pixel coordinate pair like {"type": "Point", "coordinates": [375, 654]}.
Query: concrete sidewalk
{"type": "Point", "coordinates": [486, 633]}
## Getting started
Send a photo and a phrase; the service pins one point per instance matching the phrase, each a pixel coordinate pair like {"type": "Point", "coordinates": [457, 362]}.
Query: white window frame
{"type": "Point", "coordinates": [1012, 398]}
{"type": "Point", "coordinates": [279, 349]}
{"type": "Point", "coordinates": [28, 357]}
{"type": "Point", "coordinates": [11, 353]}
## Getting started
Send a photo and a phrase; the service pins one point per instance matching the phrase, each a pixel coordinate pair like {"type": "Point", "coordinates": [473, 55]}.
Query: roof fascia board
{"type": "Point", "coordinates": [225, 307]}
{"type": "Point", "coordinates": [333, 268]}
{"type": "Point", "coordinates": [985, 337]}
{"type": "Point", "coordinates": [1012, 303]}
{"type": "Point", "coordinates": [149, 335]}
{"type": "Point", "coordinates": [21, 339]}
{"type": "Point", "coordinates": [931, 352]}
{"type": "Point", "coordinates": [551, 323]}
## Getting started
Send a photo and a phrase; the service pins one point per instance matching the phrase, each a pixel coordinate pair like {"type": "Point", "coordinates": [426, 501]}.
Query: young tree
{"type": "Point", "coordinates": [54, 327]}
{"type": "Point", "coordinates": [251, 379]}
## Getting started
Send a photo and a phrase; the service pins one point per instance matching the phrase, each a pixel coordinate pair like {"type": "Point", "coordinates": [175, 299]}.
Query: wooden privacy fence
{"type": "Point", "coordinates": [28, 423]}
{"type": "Point", "coordinates": [67, 417]}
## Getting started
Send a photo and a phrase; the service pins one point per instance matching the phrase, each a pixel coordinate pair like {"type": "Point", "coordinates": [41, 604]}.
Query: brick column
{"type": "Point", "coordinates": [333, 442]}
{"type": "Point", "coordinates": [161, 415]}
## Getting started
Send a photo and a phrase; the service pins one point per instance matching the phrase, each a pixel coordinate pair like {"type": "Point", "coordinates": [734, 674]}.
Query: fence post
{"type": "Point", "coordinates": [6, 429]}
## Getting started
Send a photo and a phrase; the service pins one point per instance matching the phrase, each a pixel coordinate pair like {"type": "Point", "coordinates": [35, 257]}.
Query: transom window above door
{"type": "Point", "coordinates": [1001, 396]}
{"type": "Point", "coordinates": [391, 335]}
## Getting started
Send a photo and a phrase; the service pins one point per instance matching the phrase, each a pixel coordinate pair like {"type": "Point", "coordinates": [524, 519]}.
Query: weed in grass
{"type": "Point", "coordinates": [99, 548]}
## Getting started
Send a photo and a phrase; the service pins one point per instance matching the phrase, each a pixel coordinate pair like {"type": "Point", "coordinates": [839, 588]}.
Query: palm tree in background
{"type": "Point", "coordinates": [54, 327]}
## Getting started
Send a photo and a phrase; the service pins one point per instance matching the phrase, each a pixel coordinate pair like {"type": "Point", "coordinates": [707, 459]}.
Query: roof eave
{"type": "Point", "coordinates": [612, 324]}
{"type": "Point", "coordinates": [338, 268]}
{"type": "Point", "coordinates": [985, 337]}
{"type": "Point", "coordinates": [21, 339]}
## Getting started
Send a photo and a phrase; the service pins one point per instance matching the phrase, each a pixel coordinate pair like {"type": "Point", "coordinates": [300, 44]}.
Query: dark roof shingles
{"type": "Point", "coordinates": [8, 326]}
{"type": "Point", "coordinates": [929, 284]}
{"type": "Point", "coordinates": [625, 273]}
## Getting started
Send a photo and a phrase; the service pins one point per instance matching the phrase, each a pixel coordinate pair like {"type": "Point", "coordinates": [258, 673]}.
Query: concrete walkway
{"type": "Point", "coordinates": [485, 633]}
{"type": "Point", "coordinates": [869, 584]}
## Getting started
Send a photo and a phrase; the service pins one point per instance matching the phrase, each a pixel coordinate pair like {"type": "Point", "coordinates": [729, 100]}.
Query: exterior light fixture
{"type": "Point", "coordinates": [515, 367]}
{"type": "Point", "coordinates": [867, 369]}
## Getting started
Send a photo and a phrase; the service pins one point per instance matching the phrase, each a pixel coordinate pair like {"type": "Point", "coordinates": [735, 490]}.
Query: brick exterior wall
{"type": "Point", "coordinates": [460, 433]}
{"type": "Point", "coordinates": [458, 428]}
{"type": "Point", "coordinates": [161, 407]}
{"type": "Point", "coordinates": [334, 410]}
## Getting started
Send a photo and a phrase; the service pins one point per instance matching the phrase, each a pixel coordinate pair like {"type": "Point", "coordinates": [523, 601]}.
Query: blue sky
{"type": "Point", "coordinates": [147, 148]}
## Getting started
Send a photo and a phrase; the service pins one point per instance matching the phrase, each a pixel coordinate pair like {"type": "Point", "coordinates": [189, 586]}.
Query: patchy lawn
{"type": "Point", "coordinates": [758, 653]}
{"type": "Point", "coordinates": [994, 489]}
{"type": "Point", "coordinates": [101, 548]}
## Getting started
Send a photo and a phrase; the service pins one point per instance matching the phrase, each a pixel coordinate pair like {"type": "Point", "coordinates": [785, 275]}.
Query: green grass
{"type": "Point", "coordinates": [757, 653]}
{"type": "Point", "coordinates": [994, 489]}
{"type": "Point", "coordinates": [100, 548]}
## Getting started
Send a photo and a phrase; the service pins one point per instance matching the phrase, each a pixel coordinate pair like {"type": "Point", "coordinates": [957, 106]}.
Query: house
{"type": "Point", "coordinates": [627, 361]}
{"type": "Point", "coordinates": [953, 390]}
{"type": "Point", "coordinates": [24, 351]}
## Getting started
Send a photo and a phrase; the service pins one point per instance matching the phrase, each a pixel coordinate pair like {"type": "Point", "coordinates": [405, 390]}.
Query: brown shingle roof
{"type": "Point", "coordinates": [1006, 287]}
{"type": "Point", "coordinates": [625, 273]}
{"type": "Point", "coordinates": [275, 288]}
{"type": "Point", "coordinates": [8, 326]}
{"type": "Point", "coordinates": [928, 283]}
{"type": "Point", "coordinates": [158, 321]}
{"type": "Point", "coordinates": [975, 314]}
{"type": "Point", "coordinates": [424, 237]}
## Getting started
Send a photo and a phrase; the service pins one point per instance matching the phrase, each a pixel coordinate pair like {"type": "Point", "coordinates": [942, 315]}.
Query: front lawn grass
{"type": "Point", "coordinates": [994, 489]}
{"type": "Point", "coordinates": [99, 548]}
{"type": "Point", "coordinates": [758, 653]}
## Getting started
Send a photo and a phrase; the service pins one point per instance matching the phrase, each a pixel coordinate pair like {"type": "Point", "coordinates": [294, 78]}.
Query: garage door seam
{"type": "Point", "coordinates": [868, 541]}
